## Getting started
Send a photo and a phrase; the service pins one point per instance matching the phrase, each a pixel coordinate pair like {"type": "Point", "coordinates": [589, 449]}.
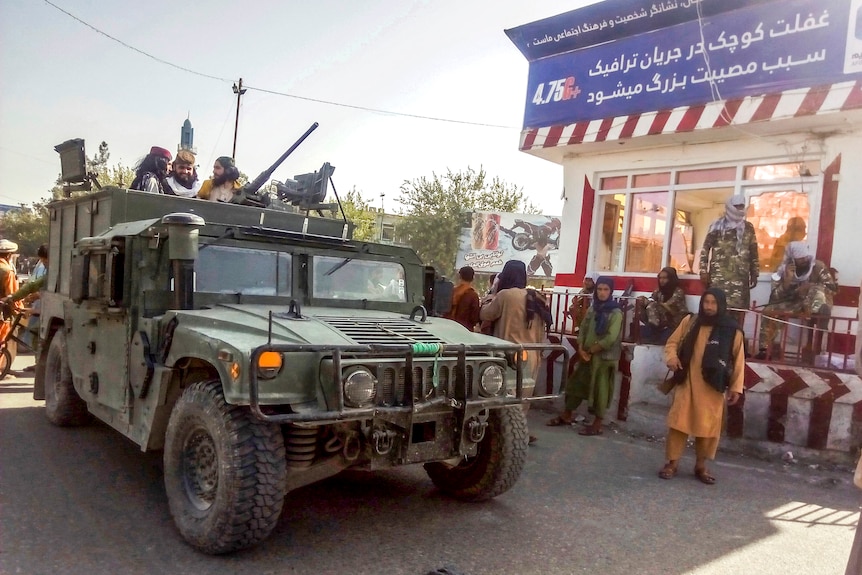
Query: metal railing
{"type": "Point", "coordinates": [811, 340]}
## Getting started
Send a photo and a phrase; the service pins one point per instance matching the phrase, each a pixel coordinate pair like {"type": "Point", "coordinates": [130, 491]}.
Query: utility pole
{"type": "Point", "coordinates": [380, 237]}
{"type": "Point", "coordinates": [239, 91]}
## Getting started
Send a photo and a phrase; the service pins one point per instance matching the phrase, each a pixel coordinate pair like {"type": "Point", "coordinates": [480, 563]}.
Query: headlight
{"type": "Point", "coordinates": [491, 381]}
{"type": "Point", "coordinates": [360, 386]}
{"type": "Point", "coordinates": [269, 364]}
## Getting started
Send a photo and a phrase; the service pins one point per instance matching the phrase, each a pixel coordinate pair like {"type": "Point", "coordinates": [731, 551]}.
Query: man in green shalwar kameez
{"type": "Point", "coordinates": [599, 351]}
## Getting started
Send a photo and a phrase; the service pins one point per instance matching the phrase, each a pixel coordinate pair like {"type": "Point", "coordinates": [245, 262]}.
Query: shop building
{"type": "Point", "coordinates": [659, 112]}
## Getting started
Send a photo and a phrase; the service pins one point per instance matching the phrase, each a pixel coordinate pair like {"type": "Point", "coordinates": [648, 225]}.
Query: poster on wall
{"type": "Point", "coordinates": [493, 238]}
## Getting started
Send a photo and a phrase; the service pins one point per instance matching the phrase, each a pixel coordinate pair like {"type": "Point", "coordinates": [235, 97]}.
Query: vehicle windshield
{"type": "Point", "coordinates": [347, 278]}
{"type": "Point", "coordinates": [224, 269]}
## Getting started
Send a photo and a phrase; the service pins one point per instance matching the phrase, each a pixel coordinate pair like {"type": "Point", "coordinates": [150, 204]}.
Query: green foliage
{"type": "Point", "coordinates": [356, 210]}
{"type": "Point", "coordinates": [28, 227]}
{"type": "Point", "coordinates": [436, 209]}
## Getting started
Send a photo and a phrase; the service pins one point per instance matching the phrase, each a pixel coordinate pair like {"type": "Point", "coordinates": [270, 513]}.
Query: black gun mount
{"type": "Point", "coordinates": [248, 194]}
{"type": "Point", "coordinates": [306, 191]}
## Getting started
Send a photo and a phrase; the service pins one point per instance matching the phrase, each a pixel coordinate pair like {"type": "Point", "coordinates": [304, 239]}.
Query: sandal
{"type": "Point", "coordinates": [704, 476]}
{"type": "Point", "coordinates": [668, 471]}
{"type": "Point", "coordinates": [589, 430]}
{"type": "Point", "coordinates": [557, 422]}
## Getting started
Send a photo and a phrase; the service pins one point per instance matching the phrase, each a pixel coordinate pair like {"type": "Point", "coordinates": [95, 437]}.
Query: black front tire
{"type": "Point", "coordinates": [225, 471]}
{"type": "Point", "coordinates": [497, 465]}
{"type": "Point", "coordinates": [5, 362]}
{"type": "Point", "coordinates": [63, 405]}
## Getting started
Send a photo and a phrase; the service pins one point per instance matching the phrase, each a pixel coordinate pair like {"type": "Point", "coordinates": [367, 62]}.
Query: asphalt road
{"type": "Point", "coordinates": [87, 501]}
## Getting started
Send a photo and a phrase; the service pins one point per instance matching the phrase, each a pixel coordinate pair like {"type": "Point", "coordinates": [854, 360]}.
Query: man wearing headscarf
{"type": "Point", "coordinates": [794, 232]}
{"type": "Point", "coordinates": [665, 308]}
{"type": "Point", "coordinates": [580, 304]}
{"type": "Point", "coordinates": [802, 285]}
{"type": "Point", "coordinates": [707, 357]}
{"type": "Point", "coordinates": [729, 259]}
{"type": "Point", "coordinates": [152, 171]}
{"type": "Point", "coordinates": [520, 315]}
{"type": "Point", "coordinates": [599, 350]}
{"type": "Point", "coordinates": [223, 186]}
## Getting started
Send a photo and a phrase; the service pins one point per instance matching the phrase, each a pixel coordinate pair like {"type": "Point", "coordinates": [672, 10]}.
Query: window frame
{"type": "Point", "coordinates": [811, 186]}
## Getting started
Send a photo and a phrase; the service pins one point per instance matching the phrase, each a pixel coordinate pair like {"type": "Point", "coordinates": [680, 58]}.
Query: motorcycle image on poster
{"type": "Point", "coordinates": [494, 238]}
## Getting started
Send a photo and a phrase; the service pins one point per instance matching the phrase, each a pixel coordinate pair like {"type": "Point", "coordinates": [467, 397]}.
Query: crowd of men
{"type": "Point", "coordinates": [159, 172]}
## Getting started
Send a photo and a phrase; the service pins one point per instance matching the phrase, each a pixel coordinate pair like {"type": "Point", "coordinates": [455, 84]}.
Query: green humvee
{"type": "Point", "coordinates": [264, 350]}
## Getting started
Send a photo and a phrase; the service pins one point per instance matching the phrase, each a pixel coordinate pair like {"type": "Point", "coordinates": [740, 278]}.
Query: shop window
{"type": "Point", "coordinates": [781, 171]}
{"type": "Point", "coordinates": [611, 211]}
{"type": "Point", "coordinates": [707, 175]}
{"type": "Point", "coordinates": [682, 251]}
{"type": "Point", "coordinates": [614, 183]}
{"type": "Point", "coordinates": [651, 180]}
{"type": "Point", "coordinates": [779, 217]}
{"type": "Point", "coordinates": [647, 227]}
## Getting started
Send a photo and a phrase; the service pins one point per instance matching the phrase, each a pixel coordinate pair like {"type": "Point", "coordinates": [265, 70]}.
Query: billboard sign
{"type": "Point", "coordinates": [761, 49]}
{"type": "Point", "coordinates": [493, 238]}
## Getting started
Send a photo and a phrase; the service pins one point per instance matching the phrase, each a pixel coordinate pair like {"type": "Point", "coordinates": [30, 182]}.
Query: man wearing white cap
{"type": "Point", "coordinates": [8, 277]}
{"type": "Point", "coordinates": [802, 285]}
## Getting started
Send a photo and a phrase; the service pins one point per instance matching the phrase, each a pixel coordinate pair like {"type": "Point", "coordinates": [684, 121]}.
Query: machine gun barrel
{"type": "Point", "coordinates": [253, 186]}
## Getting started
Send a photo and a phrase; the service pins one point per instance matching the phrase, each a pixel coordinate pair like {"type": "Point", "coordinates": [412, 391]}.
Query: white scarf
{"type": "Point", "coordinates": [734, 219]}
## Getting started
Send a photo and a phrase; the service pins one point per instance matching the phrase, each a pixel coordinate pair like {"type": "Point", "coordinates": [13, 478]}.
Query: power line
{"type": "Point", "coordinates": [275, 92]}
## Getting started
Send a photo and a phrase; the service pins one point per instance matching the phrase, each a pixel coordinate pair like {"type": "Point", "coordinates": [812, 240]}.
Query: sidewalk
{"type": "Point", "coordinates": [645, 410]}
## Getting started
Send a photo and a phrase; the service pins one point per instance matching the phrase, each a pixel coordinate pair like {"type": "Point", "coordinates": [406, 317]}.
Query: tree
{"type": "Point", "coordinates": [356, 210]}
{"type": "Point", "coordinates": [26, 226]}
{"type": "Point", "coordinates": [436, 209]}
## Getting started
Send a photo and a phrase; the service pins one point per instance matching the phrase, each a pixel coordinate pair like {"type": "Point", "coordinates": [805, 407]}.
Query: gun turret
{"type": "Point", "coordinates": [248, 194]}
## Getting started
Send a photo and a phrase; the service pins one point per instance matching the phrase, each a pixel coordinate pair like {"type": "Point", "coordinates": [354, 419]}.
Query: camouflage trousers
{"type": "Point", "coordinates": [737, 291]}
{"type": "Point", "coordinates": [814, 302]}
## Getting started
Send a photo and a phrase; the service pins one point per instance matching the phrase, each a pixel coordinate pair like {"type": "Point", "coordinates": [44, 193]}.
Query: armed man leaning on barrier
{"type": "Point", "coordinates": [801, 285]}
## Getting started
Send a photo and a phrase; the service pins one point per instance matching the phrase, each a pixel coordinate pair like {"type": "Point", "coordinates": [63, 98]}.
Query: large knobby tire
{"type": "Point", "coordinates": [63, 405]}
{"type": "Point", "coordinates": [225, 471]}
{"type": "Point", "coordinates": [5, 362]}
{"type": "Point", "coordinates": [497, 465]}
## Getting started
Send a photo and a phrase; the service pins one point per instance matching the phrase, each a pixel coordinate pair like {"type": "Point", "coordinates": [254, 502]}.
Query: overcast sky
{"type": "Point", "coordinates": [444, 58]}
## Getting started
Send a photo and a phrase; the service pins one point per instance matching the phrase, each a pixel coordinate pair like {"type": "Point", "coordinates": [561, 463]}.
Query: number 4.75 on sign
{"type": "Point", "coordinates": [557, 90]}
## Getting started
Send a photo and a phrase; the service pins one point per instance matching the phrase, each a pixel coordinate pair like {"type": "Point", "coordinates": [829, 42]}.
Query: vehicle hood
{"type": "Point", "coordinates": [246, 326]}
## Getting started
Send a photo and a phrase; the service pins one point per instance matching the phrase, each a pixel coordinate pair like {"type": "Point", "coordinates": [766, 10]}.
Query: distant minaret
{"type": "Point", "coordinates": [187, 137]}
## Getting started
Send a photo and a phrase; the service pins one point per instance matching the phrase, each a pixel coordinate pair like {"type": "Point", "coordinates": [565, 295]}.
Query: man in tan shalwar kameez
{"type": "Point", "coordinates": [512, 320]}
{"type": "Point", "coordinates": [707, 352]}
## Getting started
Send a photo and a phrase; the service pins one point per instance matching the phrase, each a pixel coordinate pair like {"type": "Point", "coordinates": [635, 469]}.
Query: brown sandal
{"type": "Point", "coordinates": [668, 471]}
{"type": "Point", "coordinates": [704, 476]}
{"type": "Point", "coordinates": [557, 422]}
{"type": "Point", "coordinates": [589, 430]}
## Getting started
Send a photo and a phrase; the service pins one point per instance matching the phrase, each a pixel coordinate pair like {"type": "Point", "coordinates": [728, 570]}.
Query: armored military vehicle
{"type": "Point", "coordinates": [264, 350]}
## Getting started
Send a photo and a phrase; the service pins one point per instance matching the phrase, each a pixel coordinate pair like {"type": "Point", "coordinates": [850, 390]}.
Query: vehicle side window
{"type": "Point", "coordinates": [226, 269]}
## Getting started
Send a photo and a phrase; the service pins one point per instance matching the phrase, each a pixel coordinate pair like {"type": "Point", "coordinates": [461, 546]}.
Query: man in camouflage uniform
{"type": "Point", "coordinates": [801, 285]}
{"type": "Point", "coordinates": [729, 259]}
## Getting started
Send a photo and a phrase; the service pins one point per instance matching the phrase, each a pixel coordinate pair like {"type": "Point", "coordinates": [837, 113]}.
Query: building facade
{"type": "Point", "coordinates": [660, 112]}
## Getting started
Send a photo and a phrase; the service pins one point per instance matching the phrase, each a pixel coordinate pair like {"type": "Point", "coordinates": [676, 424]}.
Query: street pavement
{"type": "Point", "coordinates": [87, 501]}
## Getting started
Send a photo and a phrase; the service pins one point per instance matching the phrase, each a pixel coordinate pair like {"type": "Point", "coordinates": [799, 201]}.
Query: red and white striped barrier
{"type": "Point", "coordinates": [814, 408]}
{"type": "Point", "coordinates": [750, 109]}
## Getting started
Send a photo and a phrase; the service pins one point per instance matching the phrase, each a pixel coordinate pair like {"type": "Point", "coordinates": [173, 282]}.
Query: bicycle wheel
{"type": "Point", "coordinates": [5, 362]}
